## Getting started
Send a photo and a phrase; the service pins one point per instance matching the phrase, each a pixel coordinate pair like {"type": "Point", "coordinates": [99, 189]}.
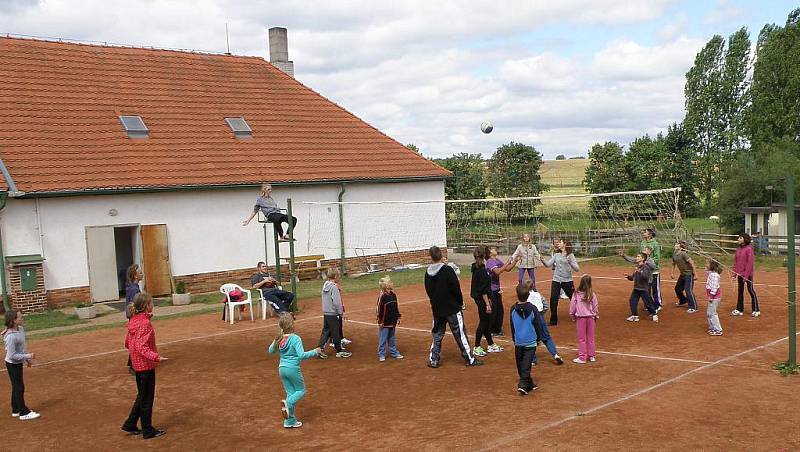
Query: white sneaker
{"type": "Point", "coordinates": [14, 414]}
{"type": "Point", "coordinates": [29, 416]}
{"type": "Point", "coordinates": [398, 356]}
{"type": "Point", "coordinates": [655, 318]}
{"type": "Point", "coordinates": [563, 295]}
{"type": "Point", "coordinates": [592, 359]}
{"type": "Point", "coordinates": [346, 341]}
{"type": "Point", "coordinates": [691, 311]}
{"type": "Point", "coordinates": [736, 312]}
{"type": "Point", "coordinates": [578, 361]}
{"type": "Point", "coordinates": [756, 313]}
{"type": "Point", "coordinates": [494, 348]}
{"type": "Point", "coordinates": [633, 318]}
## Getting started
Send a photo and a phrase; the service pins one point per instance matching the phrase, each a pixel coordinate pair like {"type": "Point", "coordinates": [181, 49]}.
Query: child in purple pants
{"type": "Point", "coordinates": [583, 310]}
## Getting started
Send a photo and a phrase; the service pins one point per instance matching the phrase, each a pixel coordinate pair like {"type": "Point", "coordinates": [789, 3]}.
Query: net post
{"type": "Point", "coordinates": [790, 268]}
{"type": "Point", "coordinates": [277, 255]}
{"type": "Point", "coordinates": [266, 242]}
{"type": "Point", "coordinates": [292, 274]}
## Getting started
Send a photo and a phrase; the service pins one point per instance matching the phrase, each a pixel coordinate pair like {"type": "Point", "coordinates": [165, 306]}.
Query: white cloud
{"type": "Point", "coordinates": [422, 72]}
{"type": "Point", "coordinates": [725, 11]}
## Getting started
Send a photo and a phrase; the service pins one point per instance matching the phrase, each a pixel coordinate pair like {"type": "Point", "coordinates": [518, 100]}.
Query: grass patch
{"type": "Point", "coordinates": [785, 368]}
{"type": "Point", "coordinates": [50, 319]}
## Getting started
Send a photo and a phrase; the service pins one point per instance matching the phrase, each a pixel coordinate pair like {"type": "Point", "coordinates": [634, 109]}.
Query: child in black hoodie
{"type": "Point", "coordinates": [480, 291]}
{"type": "Point", "coordinates": [444, 292]}
{"type": "Point", "coordinates": [388, 316]}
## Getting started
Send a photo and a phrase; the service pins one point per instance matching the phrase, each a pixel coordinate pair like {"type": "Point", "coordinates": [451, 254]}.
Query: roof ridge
{"type": "Point", "coordinates": [116, 45]}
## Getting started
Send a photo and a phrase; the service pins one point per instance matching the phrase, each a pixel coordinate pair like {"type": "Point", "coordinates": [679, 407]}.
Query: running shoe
{"type": "Point", "coordinates": [321, 355]}
{"type": "Point", "coordinates": [736, 313]}
{"type": "Point", "coordinates": [756, 313]}
{"type": "Point", "coordinates": [578, 361]}
{"type": "Point", "coordinates": [346, 341]}
{"type": "Point", "coordinates": [716, 333]}
{"type": "Point", "coordinates": [522, 391]}
{"type": "Point", "coordinates": [691, 311]}
{"type": "Point", "coordinates": [633, 318]}
{"type": "Point", "coordinates": [381, 358]}
{"type": "Point", "coordinates": [433, 364]}
{"type": "Point", "coordinates": [559, 359]}
{"type": "Point", "coordinates": [479, 351]}
{"type": "Point", "coordinates": [344, 354]}
{"type": "Point", "coordinates": [398, 356]}
{"type": "Point", "coordinates": [655, 318]}
{"type": "Point", "coordinates": [297, 424]}
{"type": "Point", "coordinates": [494, 348]}
{"type": "Point", "coordinates": [592, 359]}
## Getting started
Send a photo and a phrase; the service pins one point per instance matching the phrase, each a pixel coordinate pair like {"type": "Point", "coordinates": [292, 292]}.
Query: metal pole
{"type": "Point", "coordinates": [292, 274]}
{"type": "Point", "coordinates": [266, 248]}
{"type": "Point", "coordinates": [790, 264]}
{"type": "Point", "coordinates": [277, 255]}
{"type": "Point", "coordinates": [342, 262]}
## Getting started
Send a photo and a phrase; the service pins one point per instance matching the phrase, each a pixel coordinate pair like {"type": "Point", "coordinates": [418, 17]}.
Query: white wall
{"type": "Point", "coordinates": [204, 227]}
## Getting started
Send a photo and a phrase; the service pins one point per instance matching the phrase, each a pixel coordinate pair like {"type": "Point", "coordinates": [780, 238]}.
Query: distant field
{"type": "Point", "coordinates": [564, 176]}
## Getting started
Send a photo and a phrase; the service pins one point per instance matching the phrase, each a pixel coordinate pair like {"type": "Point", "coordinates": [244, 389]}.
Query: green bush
{"type": "Point", "coordinates": [180, 287]}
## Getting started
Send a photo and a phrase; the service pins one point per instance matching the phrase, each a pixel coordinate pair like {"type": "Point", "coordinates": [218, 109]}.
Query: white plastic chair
{"type": "Point", "coordinates": [247, 300]}
{"type": "Point", "coordinates": [265, 304]}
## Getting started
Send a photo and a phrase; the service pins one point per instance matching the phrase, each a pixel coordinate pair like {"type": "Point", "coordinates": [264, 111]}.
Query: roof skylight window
{"type": "Point", "coordinates": [239, 127]}
{"type": "Point", "coordinates": [134, 126]}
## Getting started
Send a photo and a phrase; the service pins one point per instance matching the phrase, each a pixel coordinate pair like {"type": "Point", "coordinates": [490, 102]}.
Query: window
{"type": "Point", "coordinates": [134, 126]}
{"type": "Point", "coordinates": [239, 127]}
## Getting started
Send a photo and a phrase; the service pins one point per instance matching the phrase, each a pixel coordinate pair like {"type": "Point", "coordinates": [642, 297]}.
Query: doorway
{"type": "Point", "coordinates": [126, 250]}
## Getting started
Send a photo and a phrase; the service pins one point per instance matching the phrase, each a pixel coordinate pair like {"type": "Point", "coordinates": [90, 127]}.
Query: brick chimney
{"type": "Point", "coordinates": [279, 50]}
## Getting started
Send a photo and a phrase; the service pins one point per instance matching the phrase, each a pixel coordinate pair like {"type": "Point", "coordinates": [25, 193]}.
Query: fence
{"type": "Point", "coordinates": [719, 244]}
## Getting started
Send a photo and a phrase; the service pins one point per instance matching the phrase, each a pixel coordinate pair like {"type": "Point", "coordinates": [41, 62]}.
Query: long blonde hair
{"type": "Point", "coordinates": [264, 189]}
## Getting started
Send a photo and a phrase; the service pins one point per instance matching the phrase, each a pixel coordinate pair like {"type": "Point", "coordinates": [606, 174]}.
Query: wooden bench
{"type": "Point", "coordinates": [308, 267]}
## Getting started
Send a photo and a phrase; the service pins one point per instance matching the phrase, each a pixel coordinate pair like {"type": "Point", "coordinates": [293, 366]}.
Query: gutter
{"type": "Point", "coordinates": [342, 264]}
{"type": "Point", "coordinates": [181, 188]}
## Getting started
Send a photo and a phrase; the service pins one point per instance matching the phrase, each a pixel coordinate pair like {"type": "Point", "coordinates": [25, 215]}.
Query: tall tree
{"type": "Point", "coordinates": [513, 170]}
{"type": "Point", "coordinates": [678, 168]}
{"type": "Point", "coordinates": [644, 163]}
{"type": "Point", "coordinates": [775, 89]}
{"type": "Point", "coordinates": [606, 171]}
{"type": "Point", "coordinates": [704, 111]}
{"type": "Point", "coordinates": [735, 96]}
{"type": "Point", "coordinates": [468, 176]}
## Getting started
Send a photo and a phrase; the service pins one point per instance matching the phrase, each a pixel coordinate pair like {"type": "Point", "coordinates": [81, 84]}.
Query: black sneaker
{"type": "Point", "coordinates": [155, 434]}
{"type": "Point", "coordinates": [522, 391]}
{"type": "Point", "coordinates": [131, 430]}
{"type": "Point", "coordinates": [433, 364]}
{"type": "Point", "coordinates": [475, 362]}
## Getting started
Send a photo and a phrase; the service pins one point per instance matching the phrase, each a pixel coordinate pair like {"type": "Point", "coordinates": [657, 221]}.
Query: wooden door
{"type": "Point", "coordinates": [102, 258]}
{"type": "Point", "coordinates": [155, 260]}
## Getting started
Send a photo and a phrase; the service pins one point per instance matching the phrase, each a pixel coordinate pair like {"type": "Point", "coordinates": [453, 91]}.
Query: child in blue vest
{"type": "Point", "coordinates": [292, 353]}
{"type": "Point", "coordinates": [524, 329]}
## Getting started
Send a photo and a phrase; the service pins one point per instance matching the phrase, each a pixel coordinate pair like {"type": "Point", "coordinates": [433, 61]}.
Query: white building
{"type": "Point", "coordinates": [86, 192]}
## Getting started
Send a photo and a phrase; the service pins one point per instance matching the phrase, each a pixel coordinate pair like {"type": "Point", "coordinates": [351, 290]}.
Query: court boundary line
{"type": "Point", "coordinates": [519, 436]}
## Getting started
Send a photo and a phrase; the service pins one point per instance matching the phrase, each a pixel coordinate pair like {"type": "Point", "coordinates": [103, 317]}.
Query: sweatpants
{"type": "Point", "coordinates": [497, 312]}
{"type": "Point", "coordinates": [649, 304]}
{"type": "Point", "coordinates": [531, 274]}
{"type": "Point", "coordinates": [17, 389]}
{"type": "Point", "coordinates": [655, 289]}
{"type": "Point", "coordinates": [684, 289]}
{"type": "Point", "coordinates": [741, 282]}
{"type": "Point", "coordinates": [585, 327]}
{"type": "Point", "coordinates": [713, 317]}
{"type": "Point", "coordinates": [331, 329]}
{"type": "Point", "coordinates": [522, 355]}
{"type": "Point", "coordinates": [546, 338]}
{"type": "Point", "coordinates": [386, 336]}
{"type": "Point", "coordinates": [295, 388]}
{"type": "Point", "coordinates": [555, 293]}
{"type": "Point", "coordinates": [142, 408]}
{"type": "Point", "coordinates": [456, 322]}
{"type": "Point", "coordinates": [485, 322]}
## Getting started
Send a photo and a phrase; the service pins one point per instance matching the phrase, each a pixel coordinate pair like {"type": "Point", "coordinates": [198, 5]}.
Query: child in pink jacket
{"type": "Point", "coordinates": [583, 311]}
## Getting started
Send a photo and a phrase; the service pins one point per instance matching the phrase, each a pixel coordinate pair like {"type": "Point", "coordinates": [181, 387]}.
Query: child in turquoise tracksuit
{"type": "Point", "coordinates": [291, 350]}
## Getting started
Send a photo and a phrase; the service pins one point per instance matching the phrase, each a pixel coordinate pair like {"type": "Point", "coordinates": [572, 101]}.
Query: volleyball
{"type": "Point", "coordinates": [486, 127]}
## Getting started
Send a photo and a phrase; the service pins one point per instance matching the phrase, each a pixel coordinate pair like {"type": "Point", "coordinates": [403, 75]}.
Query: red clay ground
{"type": "Point", "coordinates": [220, 389]}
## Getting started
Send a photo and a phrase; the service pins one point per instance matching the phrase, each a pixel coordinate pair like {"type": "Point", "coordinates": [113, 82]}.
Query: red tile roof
{"type": "Point", "coordinates": [59, 126]}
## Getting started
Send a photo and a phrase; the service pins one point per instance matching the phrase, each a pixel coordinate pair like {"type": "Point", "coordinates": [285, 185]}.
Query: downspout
{"type": "Point", "coordinates": [342, 264]}
{"type": "Point", "coordinates": [6, 305]}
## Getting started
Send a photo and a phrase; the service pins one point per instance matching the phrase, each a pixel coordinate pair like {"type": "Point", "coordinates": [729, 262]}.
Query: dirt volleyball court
{"type": "Point", "coordinates": [665, 386]}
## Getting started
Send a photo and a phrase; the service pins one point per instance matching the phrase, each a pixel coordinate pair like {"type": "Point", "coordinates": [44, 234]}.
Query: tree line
{"type": "Point", "coordinates": [740, 133]}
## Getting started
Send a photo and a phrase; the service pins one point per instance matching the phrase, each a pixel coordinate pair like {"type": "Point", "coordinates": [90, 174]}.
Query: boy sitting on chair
{"type": "Point", "coordinates": [280, 300]}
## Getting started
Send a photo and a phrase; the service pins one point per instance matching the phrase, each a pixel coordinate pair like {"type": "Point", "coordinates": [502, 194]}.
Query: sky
{"type": "Point", "coordinates": [558, 75]}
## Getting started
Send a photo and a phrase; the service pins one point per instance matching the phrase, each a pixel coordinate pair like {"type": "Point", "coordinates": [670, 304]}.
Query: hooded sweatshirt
{"type": "Point", "coordinates": [331, 299]}
{"type": "Point", "coordinates": [649, 262]}
{"type": "Point", "coordinates": [480, 282]}
{"type": "Point", "coordinates": [16, 350]}
{"type": "Point", "coordinates": [523, 324]}
{"type": "Point", "coordinates": [563, 266]}
{"type": "Point", "coordinates": [291, 351]}
{"type": "Point", "coordinates": [387, 310]}
{"type": "Point", "coordinates": [641, 277]}
{"type": "Point", "coordinates": [743, 262]}
{"type": "Point", "coordinates": [141, 342]}
{"type": "Point", "coordinates": [444, 292]}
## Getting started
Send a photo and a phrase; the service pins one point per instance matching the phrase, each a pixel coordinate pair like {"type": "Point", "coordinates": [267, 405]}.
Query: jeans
{"type": "Point", "coordinates": [484, 329]}
{"type": "Point", "coordinates": [456, 322]}
{"type": "Point", "coordinates": [555, 292]}
{"type": "Point", "coordinates": [277, 220]}
{"type": "Point", "coordinates": [522, 356]}
{"type": "Point", "coordinates": [295, 388]}
{"type": "Point", "coordinates": [143, 405]}
{"type": "Point", "coordinates": [17, 389]}
{"type": "Point", "coordinates": [386, 335]}
{"type": "Point", "coordinates": [546, 338]}
{"type": "Point", "coordinates": [280, 300]}
{"type": "Point", "coordinates": [713, 317]}
{"type": "Point", "coordinates": [741, 282]}
{"type": "Point", "coordinates": [684, 289]}
{"type": "Point", "coordinates": [649, 304]}
{"type": "Point", "coordinates": [531, 274]}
